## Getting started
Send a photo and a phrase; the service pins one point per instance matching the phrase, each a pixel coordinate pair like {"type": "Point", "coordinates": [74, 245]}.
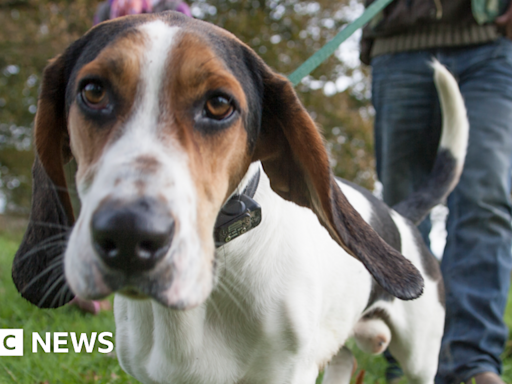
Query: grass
{"type": "Point", "coordinates": [98, 368]}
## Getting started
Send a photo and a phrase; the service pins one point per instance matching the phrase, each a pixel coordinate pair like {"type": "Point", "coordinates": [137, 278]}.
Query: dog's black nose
{"type": "Point", "coordinates": [132, 237]}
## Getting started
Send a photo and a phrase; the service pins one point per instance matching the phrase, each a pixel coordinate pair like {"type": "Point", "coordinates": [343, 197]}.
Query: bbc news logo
{"type": "Point", "coordinates": [11, 342]}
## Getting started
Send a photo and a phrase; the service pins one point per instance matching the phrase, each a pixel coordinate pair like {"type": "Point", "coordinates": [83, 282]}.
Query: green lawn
{"type": "Point", "coordinates": [72, 368]}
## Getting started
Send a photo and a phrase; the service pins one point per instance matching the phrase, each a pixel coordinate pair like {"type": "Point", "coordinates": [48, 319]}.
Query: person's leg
{"type": "Point", "coordinates": [477, 260]}
{"type": "Point", "coordinates": [407, 129]}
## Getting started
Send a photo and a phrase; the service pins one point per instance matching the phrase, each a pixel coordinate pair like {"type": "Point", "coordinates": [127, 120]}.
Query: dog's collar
{"type": "Point", "coordinates": [239, 215]}
{"type": "Point", "coordinates": [252, 185]}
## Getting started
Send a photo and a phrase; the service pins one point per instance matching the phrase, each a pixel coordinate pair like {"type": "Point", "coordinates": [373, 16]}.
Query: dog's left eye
{"type": "Point", "coordinates": [218, 108]}
{"type": "Point", "coordinates": [95, 96]}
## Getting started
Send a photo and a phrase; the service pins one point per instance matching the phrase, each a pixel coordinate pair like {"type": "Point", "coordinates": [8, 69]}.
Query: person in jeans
{"type": "Point", "coordinates": [469, 37]}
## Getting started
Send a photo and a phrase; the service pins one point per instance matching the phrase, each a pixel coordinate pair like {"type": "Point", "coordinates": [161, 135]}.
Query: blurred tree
{"type": "Point", "coordinates": [32, 32]}
{"type": "Point", "coordinates": [283, 32]}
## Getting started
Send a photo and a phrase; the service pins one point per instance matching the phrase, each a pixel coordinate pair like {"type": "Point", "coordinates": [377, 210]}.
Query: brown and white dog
{"type": "Point", "coordinates": [167, 117]}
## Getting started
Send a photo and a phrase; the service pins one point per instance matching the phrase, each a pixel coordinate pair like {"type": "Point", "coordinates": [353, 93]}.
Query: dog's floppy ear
{"type": "Point", "coordinates": [293, 155]}
{"type": "Point", "coordinates": [38, 270]}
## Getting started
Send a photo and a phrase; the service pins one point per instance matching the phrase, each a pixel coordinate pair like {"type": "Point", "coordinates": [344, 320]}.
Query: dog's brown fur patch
{"type": "Point", "coordinates": [217, 160]}
{"type": "Point", "coordinates": [119, 65]}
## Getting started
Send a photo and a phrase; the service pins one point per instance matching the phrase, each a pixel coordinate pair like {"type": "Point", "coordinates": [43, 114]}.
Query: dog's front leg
{"type": "Point", "coordinates": [305, 373]}
{"type": "Point", "coordinates": [341, 368]}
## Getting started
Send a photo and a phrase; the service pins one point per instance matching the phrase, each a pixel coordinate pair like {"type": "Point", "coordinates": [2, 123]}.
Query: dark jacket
{"type": "Point", "coordinates": [439, 17]}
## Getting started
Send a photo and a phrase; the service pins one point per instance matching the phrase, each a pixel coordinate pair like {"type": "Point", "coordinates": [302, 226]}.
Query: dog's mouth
{"type": "Point", "coordinates": [171, 292]}
{"type": "Point", "coordinates": [133, 293]}
{"type": "Point", "coordinates": [144, 285]}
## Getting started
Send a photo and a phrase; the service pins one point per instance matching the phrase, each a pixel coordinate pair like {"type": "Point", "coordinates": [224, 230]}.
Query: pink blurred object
{"type": "Point", "coordinates": [172, 5]}
{"type": "Point", "coordinates": [115, 8]}
{"type": "Point", "coordinates": [120, 8]}
{"type": "Point", "coordinates": [184, 8]}
{"type": "Point", "coordinates": [91, 306]}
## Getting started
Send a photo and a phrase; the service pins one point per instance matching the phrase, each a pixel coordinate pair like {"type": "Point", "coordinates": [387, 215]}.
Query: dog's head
{"type": "Point", "coordinates": [163, 115]}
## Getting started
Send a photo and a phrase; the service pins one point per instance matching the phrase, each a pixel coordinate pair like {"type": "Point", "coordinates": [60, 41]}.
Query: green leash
{"type": "Point", "coordinates": [328, 49]}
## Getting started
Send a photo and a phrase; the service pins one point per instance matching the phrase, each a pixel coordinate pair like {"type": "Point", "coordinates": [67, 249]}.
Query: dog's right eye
{"type": "Point", "coordinates": [218, 108]}
{"type": "Point", "coordinates": [95, 96]}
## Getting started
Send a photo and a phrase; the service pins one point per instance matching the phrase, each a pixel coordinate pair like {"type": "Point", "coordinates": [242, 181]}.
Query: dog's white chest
{"type": "Point", "coordinates": [198, 346]}
{"type": "Point", "coordinates": [155, 344]}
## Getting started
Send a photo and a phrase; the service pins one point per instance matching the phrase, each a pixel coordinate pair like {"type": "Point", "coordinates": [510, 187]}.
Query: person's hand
{"type": "Point", "coordinates": [505, 21]}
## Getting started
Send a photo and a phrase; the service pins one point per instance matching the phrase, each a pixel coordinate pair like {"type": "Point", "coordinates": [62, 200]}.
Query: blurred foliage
{"type": "Point", "coordinates": [283, 32]}
{"type": "Point", "coordinates": [31, 33]}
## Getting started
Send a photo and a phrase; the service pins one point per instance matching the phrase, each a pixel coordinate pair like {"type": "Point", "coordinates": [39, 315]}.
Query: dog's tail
{"type": "Point", "coordinates": [450, 154]}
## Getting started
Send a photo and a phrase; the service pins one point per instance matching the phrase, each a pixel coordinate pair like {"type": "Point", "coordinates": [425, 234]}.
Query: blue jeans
{"type": "Point", "coordinates": [477, 259]}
